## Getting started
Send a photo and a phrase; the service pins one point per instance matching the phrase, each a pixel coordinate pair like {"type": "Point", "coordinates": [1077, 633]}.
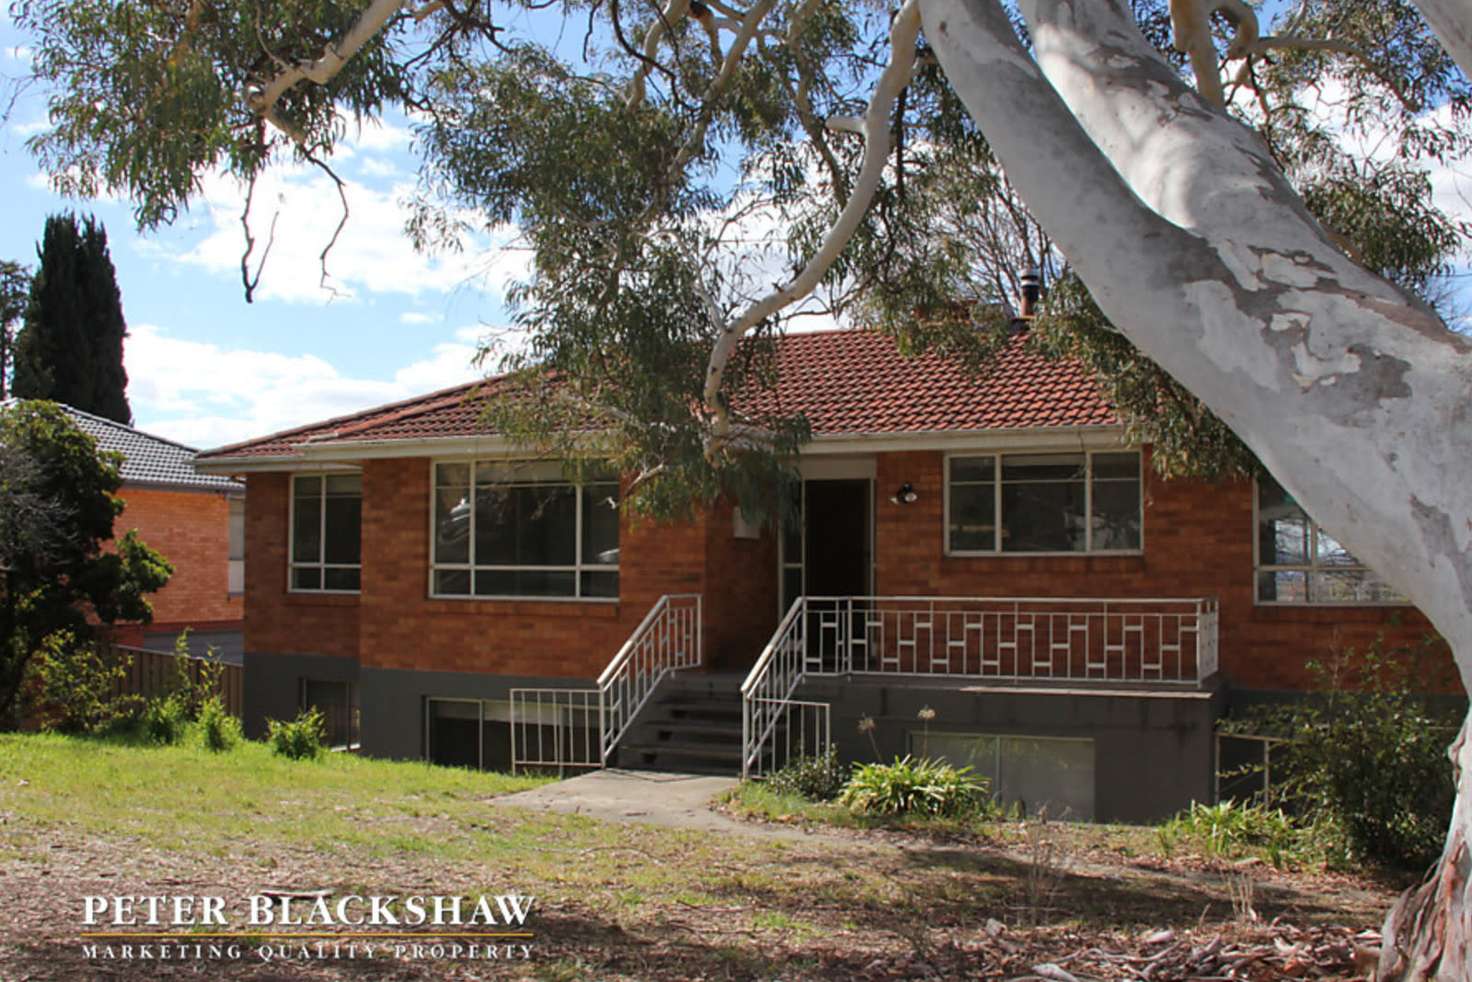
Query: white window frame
{"type": "Point", "coordinates": [997, 455]}
{"type": "Point", "coordinates": [1307, 569]}
{"type": "Point", "coordinates": [292, 565]}
{"type": "Point", "coordinates": [535, 470]}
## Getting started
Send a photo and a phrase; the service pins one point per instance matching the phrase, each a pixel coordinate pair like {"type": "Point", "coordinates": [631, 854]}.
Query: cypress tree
{"type": "Point", "coordinates": [71, 347]}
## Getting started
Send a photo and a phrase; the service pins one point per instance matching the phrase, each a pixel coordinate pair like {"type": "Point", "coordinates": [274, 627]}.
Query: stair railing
{"type": "Point", "coordinates": [554, 727]}
{"type": "Point", "coordinates": [766, 695]}
{"type": "Point", "coordinates": [669, 638]}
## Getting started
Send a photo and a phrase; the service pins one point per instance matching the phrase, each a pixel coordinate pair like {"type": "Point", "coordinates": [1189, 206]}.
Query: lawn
{"type": "Point", "coordinates": [83, 817]}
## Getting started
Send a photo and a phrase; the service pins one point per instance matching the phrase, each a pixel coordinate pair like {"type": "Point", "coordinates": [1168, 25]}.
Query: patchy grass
{"type": "Point", "coordinates": [614, 901]}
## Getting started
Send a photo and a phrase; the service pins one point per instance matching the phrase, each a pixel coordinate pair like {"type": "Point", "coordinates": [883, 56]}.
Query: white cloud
{"type": "Point", "coordinates": [415, 317]}
{"type": "Point", "coordinates": [372, 255]}
{"type": "Point", "coordinates": [206, 395]}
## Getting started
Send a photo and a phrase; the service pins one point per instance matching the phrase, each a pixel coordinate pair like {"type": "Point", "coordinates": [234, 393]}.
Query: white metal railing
{"type": "Point", "coordinates": [768, 687]}
{"type": "Point", "coordinates": [581, 727]}
{"type": "Point", "coordinates": [669, 638]}
{"type": "Point", "coordinates": [1015, 639]}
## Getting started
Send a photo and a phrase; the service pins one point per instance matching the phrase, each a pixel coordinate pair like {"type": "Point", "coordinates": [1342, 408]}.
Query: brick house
{"type": "Point", "coordinates": [196, 520]}
{"type": "Point", "coordinates": [987, 547]}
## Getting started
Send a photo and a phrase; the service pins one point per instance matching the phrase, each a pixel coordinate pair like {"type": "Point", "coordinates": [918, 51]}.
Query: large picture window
{"type": "Point", "coordinates": [1299, 563]}
{"type": "Point", "coordinates": [326, 522]}
{"type": "Point", "coordinates": [1043, 503]}
{"type": "Point", "coordinates": [506, 530]}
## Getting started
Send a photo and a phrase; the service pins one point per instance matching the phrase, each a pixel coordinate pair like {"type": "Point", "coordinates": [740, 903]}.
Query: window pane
{"type": "Point", "coordinates": [344, 519]}
{"type": "Point", "coordinates": [1043, 467]}
{"type": "Point", "coordinates": [306, 532]}
{"type": "Point", "coordinates": [237, 528]}
{"type": "Point", "coordinates": [452, 475]}
{"type": "Point", "coordinates": [791, 586]}
{"type": "Point", "coordinates": [1048, 773]}
{"type": "Point", "coordinates": [454, 733]}
{"type": "Point", "coordinates": [600, 524]}
{"type": "Point", "coordinates": [340, 579]}
{"type": "Point", "coordinates": [1282, 527]}
{"type": "Point", "coordinates": [452, 523]}
{"type": "Point", "coordinates": [973, 517]}
{"type": "Point", "coordinates": [452, 582]}
{"type": "Point", "coordinates": [306, 578]}
{"type": "Point", "coordinates": [792, 526]}
{"type": "Point", "coordinates": [525, 526]}
{"type": "Point", "coordinates": [1043, 517]}
{"type": "Point", "coordinates": [600, 584]}
{"type": "Point", "coordinates": [1116, 466]}
{"type": "Point", "coordinates": [973, 468]}
{"type": "Point", "coordinates": [1282, 586]}
{"type": "Point", "coordinates": [1343, 586]}
{"type": "Point", "coordinates": [345, 484]}
{"type": "Point", "coordinates": [1116, 514]}
{"type": "Point", "coordinates": [524, 583]}
{"type": "Point", "coordinates": [1328, 552]}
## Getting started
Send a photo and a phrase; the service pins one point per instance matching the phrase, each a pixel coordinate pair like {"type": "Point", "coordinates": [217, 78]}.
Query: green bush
{"type": "Point", "coordinates": [1368, 755]}
{"type": "Point", "coordinates": [218, 729]}
{"type": "Point", "coordinates": [72, 686]}
{"type": "Point", "coordinates": [1230, 830]}
{"type": "Point", "coordinates": [819, 778]}
{"type": "Point", "coordinates": [164, 720]}
{"type": "Point", "coordinates": [196, 680]}
{"type": "Point", "coordinates": [301, 739]}
{"type": "Point", "coordinates": [916, 787]}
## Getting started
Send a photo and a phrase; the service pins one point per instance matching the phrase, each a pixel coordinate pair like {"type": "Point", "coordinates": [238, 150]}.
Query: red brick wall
{"type": "Point", "coordinates": [402, 628]}
{"type": "Point", "coordinates": [192, 530]}
{"type": "Point", "coordinates": [1198, 542]}
{"type": "Point", "coordinates": [277, 621]}
{"type": "Point", "coordinates": [741, 603]}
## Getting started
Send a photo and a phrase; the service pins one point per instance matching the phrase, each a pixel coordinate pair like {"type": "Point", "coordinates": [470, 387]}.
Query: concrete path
{"type": "Point", "coordinates": [652, 797]}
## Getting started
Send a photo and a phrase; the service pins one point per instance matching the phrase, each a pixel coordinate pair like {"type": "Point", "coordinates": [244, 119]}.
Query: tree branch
{"type": "Point", "coordinates": [878, 139]}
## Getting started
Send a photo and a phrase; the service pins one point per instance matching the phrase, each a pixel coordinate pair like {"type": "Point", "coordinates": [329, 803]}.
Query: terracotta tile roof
{"type": "Point", "coordinates": [845, 382]}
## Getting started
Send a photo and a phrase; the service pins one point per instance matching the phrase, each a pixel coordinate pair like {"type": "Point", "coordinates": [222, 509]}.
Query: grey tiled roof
{"type": "Point", "coordinates": [149, 459]}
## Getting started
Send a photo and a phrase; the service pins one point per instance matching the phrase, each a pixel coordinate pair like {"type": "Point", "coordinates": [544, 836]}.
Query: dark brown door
{"type": "Point", "coordinates": [837, 555]}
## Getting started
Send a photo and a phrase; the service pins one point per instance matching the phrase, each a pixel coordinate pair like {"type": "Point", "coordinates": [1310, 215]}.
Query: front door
{"type": "Point", "coordinates": [836, 556]}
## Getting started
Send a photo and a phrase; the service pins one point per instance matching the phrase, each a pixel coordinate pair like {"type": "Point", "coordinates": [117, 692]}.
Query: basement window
{"type": "Point", "coordinates": [516, 531]}
{"type": "Point", "coordinates": [326, 523]}
{"type": "Point", "coordinates": [1036, 774]}
{"type": "Point", "coordinates": [1300, 563]}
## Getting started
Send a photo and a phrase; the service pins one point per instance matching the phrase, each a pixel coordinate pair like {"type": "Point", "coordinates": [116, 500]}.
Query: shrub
{"type": "Point", "coordinates": [300, 739]}
{"type": "Point", "coordinates": [1230, 829]}
{"type": "Point", "coordinates": [196, 680]}
{"type": "Point", "coordinates": [164, 720]}
{"type": "Point", "coordinates": [218, 729]}
{"type": "Point", "coordinates": [915, 787]}
{"type": "Point", "coordinates": [1368, 754]}
{"type": "Point", "coordinates": [819, 778]}
{"type": "Point", "coordinates": [72, 686]}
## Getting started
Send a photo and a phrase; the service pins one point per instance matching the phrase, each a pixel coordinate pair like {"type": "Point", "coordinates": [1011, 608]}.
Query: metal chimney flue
{"type": "Point", "coordinates": [1032, 292]}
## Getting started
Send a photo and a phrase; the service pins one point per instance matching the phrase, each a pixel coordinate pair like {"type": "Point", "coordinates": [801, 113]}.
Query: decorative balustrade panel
{"type": "Point", "coordinates": [1013, 638]}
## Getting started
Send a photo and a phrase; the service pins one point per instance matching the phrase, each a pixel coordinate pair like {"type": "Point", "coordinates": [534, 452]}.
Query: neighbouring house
{"type": "Point", "coordinates": [985, 547]}
{"type": "Point", "coordinates": [197, 521]}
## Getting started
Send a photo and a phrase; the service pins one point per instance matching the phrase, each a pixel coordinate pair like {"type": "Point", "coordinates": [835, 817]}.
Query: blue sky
{"type": "Point", "coordinates": [207, 368]}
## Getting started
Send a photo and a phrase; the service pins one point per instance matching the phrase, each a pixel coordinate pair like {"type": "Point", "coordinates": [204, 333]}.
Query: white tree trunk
{"type": "Point", "coordinates": [1356, 398]}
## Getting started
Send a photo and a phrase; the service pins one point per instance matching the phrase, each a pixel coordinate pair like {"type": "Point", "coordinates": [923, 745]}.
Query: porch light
{"type": "Point", "coordinates": [906, 495]}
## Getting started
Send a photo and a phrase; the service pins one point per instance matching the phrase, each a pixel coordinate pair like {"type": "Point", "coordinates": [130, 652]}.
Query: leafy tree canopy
{"type": "Point", "coordinates": [689, 174]}
{"type": "Point", "coordinates": [15, 291]}
{"type": "Point", "coordinates": [58, 505]}
{"type": "Point", "coordinates": [71, 347]}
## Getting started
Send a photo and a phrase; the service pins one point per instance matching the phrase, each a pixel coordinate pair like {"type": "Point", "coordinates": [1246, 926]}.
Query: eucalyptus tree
{"type": "Point", "coordinates": [1244, 211]}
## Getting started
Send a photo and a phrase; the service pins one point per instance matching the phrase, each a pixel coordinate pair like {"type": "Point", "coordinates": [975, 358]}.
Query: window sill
{"type": "Point", "coordinates": [593, 607]}
{"type": "Point", "coordinates": [322, 598]}
{"type": "Point", "coordinates": [1125, 554]}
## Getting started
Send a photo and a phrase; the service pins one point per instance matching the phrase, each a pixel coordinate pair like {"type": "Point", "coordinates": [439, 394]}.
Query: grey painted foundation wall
{"type": "Point", "coordinates": [1153, 754]}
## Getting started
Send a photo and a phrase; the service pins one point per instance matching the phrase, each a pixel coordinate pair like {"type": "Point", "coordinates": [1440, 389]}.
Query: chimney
{"type": "Point", "coordinates": [1032, 292]}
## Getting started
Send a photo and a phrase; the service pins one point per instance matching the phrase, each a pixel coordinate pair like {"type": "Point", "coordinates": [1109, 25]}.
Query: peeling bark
{"type": "Point", "coordinates": [1195, 246]}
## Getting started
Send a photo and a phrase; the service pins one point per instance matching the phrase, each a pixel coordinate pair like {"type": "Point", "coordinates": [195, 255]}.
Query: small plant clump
{"type": "Point", "coordinates": [1233, 830]}
{"type": "Point", "coordinates": [300, 739]}
{"type": "Point", "coordinates": [219, 731]}
{"type": "Point", "coordinates": [819, 778]}
{"type": "Point", "coordinates": [165, 720]}
{"type": "Point", "coordinates": [912, 786]}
